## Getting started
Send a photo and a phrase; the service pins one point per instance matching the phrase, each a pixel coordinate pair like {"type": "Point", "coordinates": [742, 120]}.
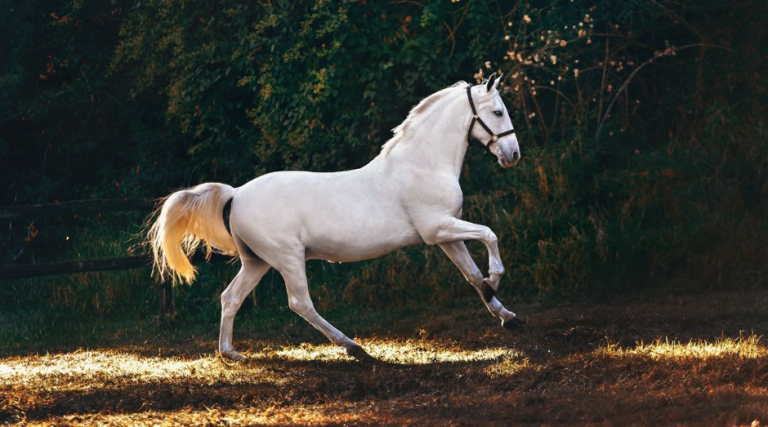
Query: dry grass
{"type": "Point", "coordinates": [682, 360]}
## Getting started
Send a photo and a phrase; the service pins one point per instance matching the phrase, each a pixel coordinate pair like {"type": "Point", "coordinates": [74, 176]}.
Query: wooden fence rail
{"type": "Point", "coordinates": [69, 267]}
{"type": "Point", "coordinates": [21, 271]}
{"type": "Point", "coordinates": [75, 207]}
{"type": "Point", "coordinates": [15, 271]}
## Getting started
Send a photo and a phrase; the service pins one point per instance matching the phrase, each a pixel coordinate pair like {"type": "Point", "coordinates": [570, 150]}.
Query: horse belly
{"type": "Point", "coordinates": [348, 242]}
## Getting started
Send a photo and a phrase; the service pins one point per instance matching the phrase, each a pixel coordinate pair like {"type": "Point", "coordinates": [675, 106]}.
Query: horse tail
{"type": "Point", "coordinates": [186, 219]}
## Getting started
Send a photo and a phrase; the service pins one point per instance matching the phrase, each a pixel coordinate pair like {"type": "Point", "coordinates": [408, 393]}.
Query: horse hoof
{"type": "Point", "coordinates": [233, 356]}
{"type": "Point", "coordinates": [513, 323]}
{"type": "Point", "coordinates": [359, 354]}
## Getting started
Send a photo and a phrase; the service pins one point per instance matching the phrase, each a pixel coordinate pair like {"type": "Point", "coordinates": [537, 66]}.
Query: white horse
{"type": "Point", "coordinates": [409, 194]}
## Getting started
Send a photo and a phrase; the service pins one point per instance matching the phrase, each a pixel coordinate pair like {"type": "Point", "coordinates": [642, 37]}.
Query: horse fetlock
{"type": "Point", "coordinates": [345, 342]}
{"type": "Point", "coordinates": [225, 345]}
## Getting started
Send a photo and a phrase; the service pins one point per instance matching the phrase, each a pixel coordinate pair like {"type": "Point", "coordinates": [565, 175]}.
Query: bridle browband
{"type": "Point", "coordinates": [475, 118]}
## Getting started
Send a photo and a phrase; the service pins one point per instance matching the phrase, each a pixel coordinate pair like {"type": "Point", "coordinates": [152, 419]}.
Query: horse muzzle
{"type": "Point", "coordinates": [508, 161]}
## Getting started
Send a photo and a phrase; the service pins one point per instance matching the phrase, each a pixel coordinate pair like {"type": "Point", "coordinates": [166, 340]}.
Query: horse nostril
{"type": "Point", "coordinates": [515, 156]}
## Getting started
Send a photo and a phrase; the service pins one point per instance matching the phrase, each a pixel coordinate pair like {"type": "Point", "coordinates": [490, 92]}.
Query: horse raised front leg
{"type": "Point", "coordinates": [456, 230]}
{"type": "Point", "coordinates": [299, 301]}
{"type": "Point", "coordinates": [232, 298]}
{"type": "Point", "coordinates": [460, 256]}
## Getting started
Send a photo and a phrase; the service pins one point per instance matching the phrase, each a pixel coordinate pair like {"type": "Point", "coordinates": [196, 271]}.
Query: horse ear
{"type": "Point", "coordinates": [498, 81]}
{"type": "Point", "coordinates": [491, 82]}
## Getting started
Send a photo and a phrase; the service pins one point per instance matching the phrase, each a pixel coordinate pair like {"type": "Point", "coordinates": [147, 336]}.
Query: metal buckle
{"type": "Point", "coordinates": [494, 138]}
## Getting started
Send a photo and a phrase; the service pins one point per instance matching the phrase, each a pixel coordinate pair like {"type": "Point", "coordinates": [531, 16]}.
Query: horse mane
{"type": "Point", "coordinates": [415, 112]}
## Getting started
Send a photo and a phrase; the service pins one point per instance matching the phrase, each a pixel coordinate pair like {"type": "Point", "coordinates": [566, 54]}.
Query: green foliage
{"type": "Point", "coordinates": [126, 99]}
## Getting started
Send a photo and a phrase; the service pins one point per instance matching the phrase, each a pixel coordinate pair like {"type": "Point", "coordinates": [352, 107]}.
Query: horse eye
{"type": "Point", "coordinates": [498, 113]}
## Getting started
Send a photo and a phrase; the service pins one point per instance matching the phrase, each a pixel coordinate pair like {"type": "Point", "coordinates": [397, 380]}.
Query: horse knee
{"type": "Point", "coordinates": [490, 236]}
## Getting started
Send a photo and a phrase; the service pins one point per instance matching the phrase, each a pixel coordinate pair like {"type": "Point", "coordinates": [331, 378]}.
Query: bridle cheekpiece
{"type": "Point", "coordinates": [476, 119]}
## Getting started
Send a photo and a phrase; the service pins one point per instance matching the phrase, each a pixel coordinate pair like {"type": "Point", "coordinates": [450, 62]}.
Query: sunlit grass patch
{"type": "Point", "coordinates": [86, 363]}
{"type": "Point", "coordinates": [400, 352]}
{"type": "Point", "coordinates": [304, 352]}
{"type": "Point", "coordinates": [420, 353]}
{"type": "Point", "coordinates": [105, 368]}
{"type": "Point", "coordinates": [112, 367]}
{"type": "Point", "coordinates": [748, 347]}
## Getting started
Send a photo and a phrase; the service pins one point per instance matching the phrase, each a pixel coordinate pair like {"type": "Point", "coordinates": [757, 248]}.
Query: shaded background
{"type": "Point", "coordinates": [136, 99]}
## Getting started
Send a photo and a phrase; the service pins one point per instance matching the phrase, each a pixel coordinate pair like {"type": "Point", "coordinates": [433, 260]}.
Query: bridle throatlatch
{"type": "Point", "coordinates": [475, 118]}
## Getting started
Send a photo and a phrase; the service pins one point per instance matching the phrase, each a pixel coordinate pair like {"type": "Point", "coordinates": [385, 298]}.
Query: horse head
{"type": "Point", "coordinates": [495, 131]}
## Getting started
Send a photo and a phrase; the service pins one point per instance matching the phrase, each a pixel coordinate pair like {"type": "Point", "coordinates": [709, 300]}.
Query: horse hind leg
{"type": "Point", "coordinates": [299, 300]}
{"type": "Point", "coordinates": [251, 272]}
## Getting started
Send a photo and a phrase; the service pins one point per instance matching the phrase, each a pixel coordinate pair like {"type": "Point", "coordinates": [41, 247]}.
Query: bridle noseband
{"type": "Point", "coordinates": [475, 118]}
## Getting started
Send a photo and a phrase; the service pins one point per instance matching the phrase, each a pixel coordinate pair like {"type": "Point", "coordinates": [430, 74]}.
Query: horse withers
{"type": "Point", "coordinates": [409, 194]}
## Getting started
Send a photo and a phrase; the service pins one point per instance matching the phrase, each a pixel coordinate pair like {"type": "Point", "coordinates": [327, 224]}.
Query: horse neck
{"type": "Point", "coordinates": [436, 141]}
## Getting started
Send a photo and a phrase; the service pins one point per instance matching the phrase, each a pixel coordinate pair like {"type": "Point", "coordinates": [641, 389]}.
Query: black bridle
{"type": "Point", "coordinates": [475, 118]}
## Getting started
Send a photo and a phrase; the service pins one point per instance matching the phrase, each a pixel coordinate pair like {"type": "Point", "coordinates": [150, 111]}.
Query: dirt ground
{"type": "Point", "coordinates": [686, 360]}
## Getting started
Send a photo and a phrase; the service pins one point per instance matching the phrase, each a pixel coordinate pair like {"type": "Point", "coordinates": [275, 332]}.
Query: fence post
{"type": "Point", "coordinates": [166, 301]}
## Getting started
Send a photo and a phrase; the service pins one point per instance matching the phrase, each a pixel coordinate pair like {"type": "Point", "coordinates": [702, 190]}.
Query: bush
{"type": "Point", "coordinates": [641, 124]}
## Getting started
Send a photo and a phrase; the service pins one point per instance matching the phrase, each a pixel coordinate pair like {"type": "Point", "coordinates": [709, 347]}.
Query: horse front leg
{"type": "Point", "coordinates": [456, 230]}
{"type": "Point", "coordinates": [460, 256]}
